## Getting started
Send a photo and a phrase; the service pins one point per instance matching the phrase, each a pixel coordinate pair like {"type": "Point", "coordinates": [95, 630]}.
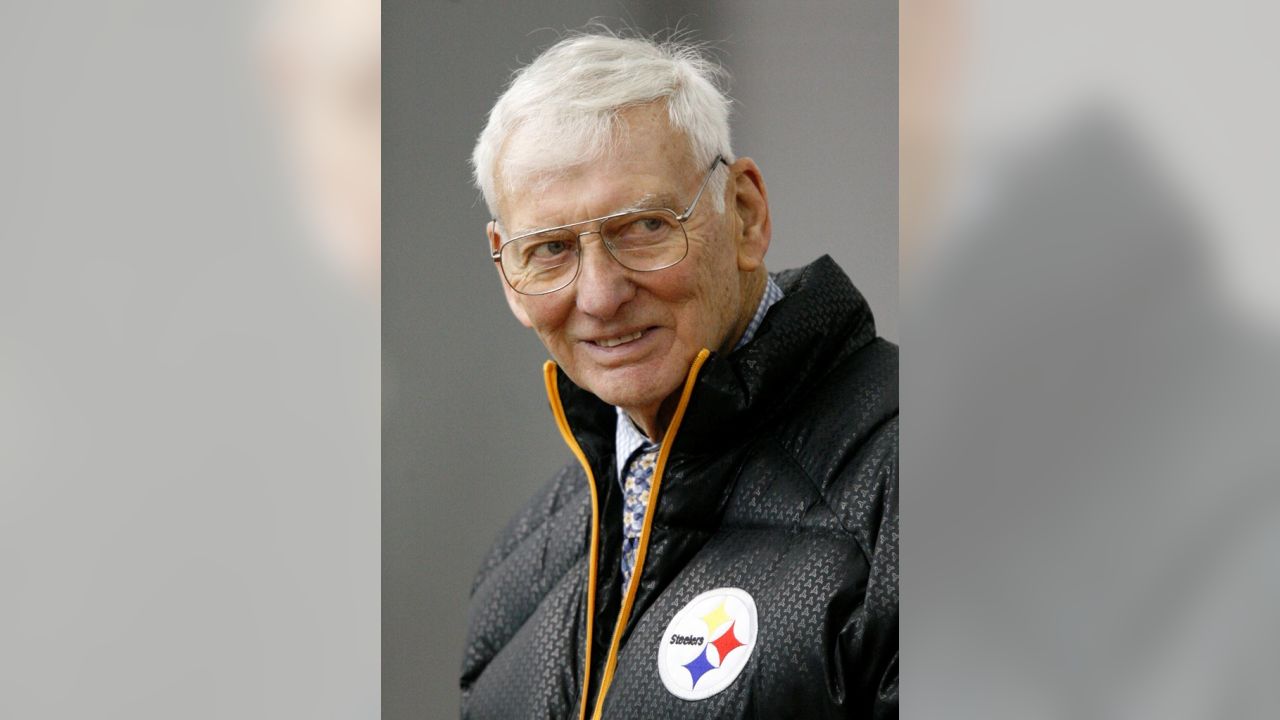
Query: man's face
{"type": "Point", "coordinates": [629, 337]}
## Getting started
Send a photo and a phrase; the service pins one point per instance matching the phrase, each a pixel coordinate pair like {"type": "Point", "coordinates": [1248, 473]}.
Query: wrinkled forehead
{"type": "Point", "coordinates": [538, 157]}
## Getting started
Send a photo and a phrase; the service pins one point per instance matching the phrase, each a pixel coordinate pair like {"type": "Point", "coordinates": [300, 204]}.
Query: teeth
{"type": "Point", "coordinates": [614, 342]}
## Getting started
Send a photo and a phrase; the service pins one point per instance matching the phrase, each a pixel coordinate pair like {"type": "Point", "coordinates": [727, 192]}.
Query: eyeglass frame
{"type": "Point", "coordinates": [681, 218]}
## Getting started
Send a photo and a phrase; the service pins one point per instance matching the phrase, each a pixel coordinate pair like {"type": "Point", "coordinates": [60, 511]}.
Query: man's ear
{"type": "Point", "coordinates": [513, 298]}
{"type": "Point", "coordinates": [750, 200]}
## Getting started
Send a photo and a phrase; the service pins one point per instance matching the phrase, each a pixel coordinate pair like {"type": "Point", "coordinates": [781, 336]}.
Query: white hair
{"type": "Point", "coordinates": [566, 104]}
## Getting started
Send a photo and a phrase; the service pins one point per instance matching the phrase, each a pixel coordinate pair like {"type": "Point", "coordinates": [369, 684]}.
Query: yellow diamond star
{"type": "Point", "coordinates": [716, 618]}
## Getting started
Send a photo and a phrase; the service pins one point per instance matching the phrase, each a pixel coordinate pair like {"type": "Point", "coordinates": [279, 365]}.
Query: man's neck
{"type": "Point", "coordinates": [653, 422]}
{"type": "Point", "coordinates": [753, 285]}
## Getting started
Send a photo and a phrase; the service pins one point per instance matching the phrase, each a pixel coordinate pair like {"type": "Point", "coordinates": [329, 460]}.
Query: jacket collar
{"type": "Point", "coordinates": [821, 318]}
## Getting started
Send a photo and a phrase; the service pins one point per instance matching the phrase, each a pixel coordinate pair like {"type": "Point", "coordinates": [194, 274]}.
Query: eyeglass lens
{"type": "Point", "coordinates": [547, 261]}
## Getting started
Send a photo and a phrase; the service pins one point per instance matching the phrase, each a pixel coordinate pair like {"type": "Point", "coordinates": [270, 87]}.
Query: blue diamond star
{"type": "Point", "coordinates": [699, 666]}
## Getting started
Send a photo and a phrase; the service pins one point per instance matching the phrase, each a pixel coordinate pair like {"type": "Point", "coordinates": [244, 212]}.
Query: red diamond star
{"type": "Point", "coordinates": [727, 642]}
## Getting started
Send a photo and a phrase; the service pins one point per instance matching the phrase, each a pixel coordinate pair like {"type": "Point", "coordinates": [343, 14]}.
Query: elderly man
{"type": "Point", "coordinates": [725, 543]}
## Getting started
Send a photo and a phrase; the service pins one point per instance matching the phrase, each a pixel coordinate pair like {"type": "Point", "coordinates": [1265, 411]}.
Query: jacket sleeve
{"type": "Point", "coordinates": [868, 641]}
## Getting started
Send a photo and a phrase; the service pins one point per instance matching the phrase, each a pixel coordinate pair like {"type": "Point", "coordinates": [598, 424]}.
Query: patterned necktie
{"type": "Point", "coordinates": [635, 498]}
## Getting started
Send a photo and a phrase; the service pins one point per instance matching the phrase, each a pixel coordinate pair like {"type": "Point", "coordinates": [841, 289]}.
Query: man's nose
{"type": "Point", "coordinates": [602, 285]}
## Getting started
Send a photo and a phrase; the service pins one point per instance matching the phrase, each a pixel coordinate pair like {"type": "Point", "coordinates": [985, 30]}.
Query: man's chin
{"type": "Point", "coordinates": [628, 391]}
{"type": "Point", "coordinates": [626, 398]}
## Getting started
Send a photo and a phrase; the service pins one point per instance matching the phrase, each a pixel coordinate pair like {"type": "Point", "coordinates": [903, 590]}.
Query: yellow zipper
{"type": "Point", "coordinates": [628, 600]}
{"type": "Point", "coordinates": [557, 409]}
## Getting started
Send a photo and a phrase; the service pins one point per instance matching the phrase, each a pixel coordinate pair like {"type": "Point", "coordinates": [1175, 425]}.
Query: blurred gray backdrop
{"type": "Point", "coordinates": [188, 392]}
{"type": "Point", "coordinates": [466, 433]}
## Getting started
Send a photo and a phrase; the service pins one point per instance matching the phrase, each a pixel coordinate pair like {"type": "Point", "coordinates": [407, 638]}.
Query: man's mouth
{"type": "Point", "coordinates": [614, 342]}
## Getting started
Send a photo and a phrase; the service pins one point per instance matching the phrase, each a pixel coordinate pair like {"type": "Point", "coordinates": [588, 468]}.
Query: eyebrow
{"type": "Point", "coordinates": [648, 201]}
{"type": "Point", "coordinates": [653, 201]}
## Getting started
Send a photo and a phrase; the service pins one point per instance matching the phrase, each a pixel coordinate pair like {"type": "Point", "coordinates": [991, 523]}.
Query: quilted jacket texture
{"type": "Point", "coordinates": [781, 481]}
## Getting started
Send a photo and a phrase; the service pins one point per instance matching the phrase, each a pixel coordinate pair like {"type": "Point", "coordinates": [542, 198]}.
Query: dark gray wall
{"type": "Point", "coordinates": [466, 433]}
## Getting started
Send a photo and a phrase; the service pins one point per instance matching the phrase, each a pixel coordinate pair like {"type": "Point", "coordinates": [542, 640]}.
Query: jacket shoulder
{"type": "Point", "coordinates": [843, 435]}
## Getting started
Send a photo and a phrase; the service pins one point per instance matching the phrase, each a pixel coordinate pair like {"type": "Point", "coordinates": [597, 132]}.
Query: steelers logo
{"type": "Point", "coordinates": [707, 643]}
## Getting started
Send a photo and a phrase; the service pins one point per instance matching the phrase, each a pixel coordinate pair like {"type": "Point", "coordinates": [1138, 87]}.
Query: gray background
{"type": "Point", "coordinates": [466, 433]}
{"type": "Point", "coordinates": [188, 397]}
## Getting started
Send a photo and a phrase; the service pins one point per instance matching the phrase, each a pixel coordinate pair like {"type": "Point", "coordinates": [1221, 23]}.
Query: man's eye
{"type": "Point", "coordinates": [649, 225]}
{"type": "Point", "coordinates": [644, 228]}
{"type": "Point", "coordinates": [548, 250]}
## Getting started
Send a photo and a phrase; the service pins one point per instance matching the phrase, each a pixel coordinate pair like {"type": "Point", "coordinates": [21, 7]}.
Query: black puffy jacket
{"type": "Point", "coordinates": [777, 481]}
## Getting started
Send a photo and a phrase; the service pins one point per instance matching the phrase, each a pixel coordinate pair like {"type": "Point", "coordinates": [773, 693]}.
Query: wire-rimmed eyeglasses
{"type": "Point", "coordinates": [547, 260]}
